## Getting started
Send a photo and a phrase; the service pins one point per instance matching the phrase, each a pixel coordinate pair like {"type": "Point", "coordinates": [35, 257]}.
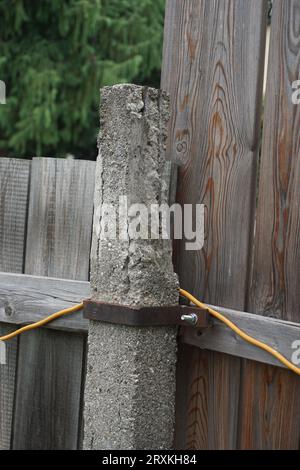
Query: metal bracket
{"type": "Point", "coordinates": [181, 315]}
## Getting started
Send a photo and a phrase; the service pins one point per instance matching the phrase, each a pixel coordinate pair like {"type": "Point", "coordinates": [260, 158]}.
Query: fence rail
{"type": "Point", "coordinates": [26, 299]}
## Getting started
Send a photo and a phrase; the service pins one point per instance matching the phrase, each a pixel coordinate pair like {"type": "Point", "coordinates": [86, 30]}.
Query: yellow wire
{"type": "Point", "coordinates": [42, 322]}
{"type": "Point", "coordinates": [241, 333]}
{"type": "Point", "coordinates": [195, 301]}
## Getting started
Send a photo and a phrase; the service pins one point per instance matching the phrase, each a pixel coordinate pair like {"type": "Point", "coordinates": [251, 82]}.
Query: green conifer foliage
{"type": "Point", "coordinates": [54, 57]}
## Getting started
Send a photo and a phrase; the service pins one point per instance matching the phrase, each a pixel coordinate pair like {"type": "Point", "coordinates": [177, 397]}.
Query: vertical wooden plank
{"type": "Point", "coordinates": [7, 388]}
{"type": "Point", "coordinates": [270, 408]}
{"type": "Point", "coordinates": [60, 211]}
{"type": "Point", "coordinates": [213, 65]}
{"type": "Point", "coordinates": [276, 271]}
{"type": "Point", "coordinates": [14, 178]}
{"type": "Point", "coordinates": [50, 363]}
{"type": "Point", "coordinates": [48, 391]}
{"type": "Point", "coordinates": [184, 372]}
{"type": "Point", "coordinates": [273, 396]}
{"type": "Point", "coordinates": [201, 420]}
{"type": "Point", "coordinates": [217, 376]}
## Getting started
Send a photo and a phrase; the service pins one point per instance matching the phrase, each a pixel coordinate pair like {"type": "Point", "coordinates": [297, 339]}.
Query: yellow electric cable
{"type": "Point", "coordinates": [196, 302]}
{"type": "Point", "coordinates": [241, 333]}
{"type": "Point", "coordinates": [42, 322]}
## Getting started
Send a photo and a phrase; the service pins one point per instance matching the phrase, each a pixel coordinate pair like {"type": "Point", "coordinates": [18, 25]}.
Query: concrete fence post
{"type": "Point", "coordinates": [130, 382]}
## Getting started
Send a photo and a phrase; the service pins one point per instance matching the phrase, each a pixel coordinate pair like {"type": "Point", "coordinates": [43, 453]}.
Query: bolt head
{"type": "Point", "coordinates": [191, 318]}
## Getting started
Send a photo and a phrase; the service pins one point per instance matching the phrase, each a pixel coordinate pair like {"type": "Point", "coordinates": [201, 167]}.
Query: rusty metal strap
{"type": "Point", "coordinates": [144, 316]}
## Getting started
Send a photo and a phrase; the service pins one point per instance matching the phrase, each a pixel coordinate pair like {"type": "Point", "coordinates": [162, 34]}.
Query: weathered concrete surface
{"type": "Point", "coordinates": [130, 389]}
{"type": "Point", "coordinates": [130, 383]}
{"type": "Point", "coordinates": [132, 163]}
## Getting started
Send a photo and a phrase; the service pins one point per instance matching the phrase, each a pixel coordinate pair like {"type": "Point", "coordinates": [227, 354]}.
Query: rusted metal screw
{"type": "Point", "coordinates": [191, 318]}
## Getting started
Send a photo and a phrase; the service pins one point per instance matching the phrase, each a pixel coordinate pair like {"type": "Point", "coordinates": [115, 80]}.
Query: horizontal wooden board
{"type": "Point", "coordinates": [278, 334]}
{"type": "Point", "coordinates": [26, 299]}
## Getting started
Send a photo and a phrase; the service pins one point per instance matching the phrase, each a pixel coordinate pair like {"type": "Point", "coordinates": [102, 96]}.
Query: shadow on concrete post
{"type": "Point", "coordinates": [130, 382]}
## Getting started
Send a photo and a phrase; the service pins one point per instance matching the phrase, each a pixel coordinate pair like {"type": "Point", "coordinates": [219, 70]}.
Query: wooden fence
{"type": "Point", "coordinates": [46, 218]}
{"type": "Point", "coordinates": [213, 70]}
{"type": "Point", "coordinates": [229, 395]}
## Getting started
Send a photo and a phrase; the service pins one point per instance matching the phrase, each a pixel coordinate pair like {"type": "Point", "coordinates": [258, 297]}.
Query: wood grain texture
{"type": "Point", "coordinates": [213, 64]}
{"type": "Point", "coordinates": [274, 396]}
{"type": "Point", "coordinates": [14, 180]}
{"type": "Point", "coordinates": [276, 271]}
{"type": "Point", "coordinates": [7, 388]}
{"type": "Point", "coordinates": [60, 218]}
{"type": "Point", "coordinates": [48, 390]}
{"type": "Point", "coordinates": [210, 381]}
{"type": "Point", "coordinates": [183, 381]}
{"type": "Point", "coordinates": [270, 408]}
{"type": "Point", "coordinates": [215, 80]}
{"type": "Point", "coordinates": [58, 245]}
{"type": "Point", "coordinates": [26, 299]}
